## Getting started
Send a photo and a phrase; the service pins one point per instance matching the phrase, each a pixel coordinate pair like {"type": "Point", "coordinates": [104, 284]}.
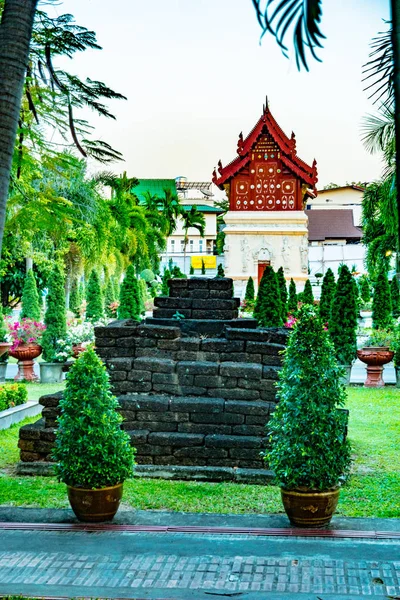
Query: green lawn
{"type": "Point", "coordinates": [373, 490]}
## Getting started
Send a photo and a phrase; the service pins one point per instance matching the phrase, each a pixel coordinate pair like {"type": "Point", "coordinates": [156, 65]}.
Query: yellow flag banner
{"type": "Point", "coordinates": [210, 262]}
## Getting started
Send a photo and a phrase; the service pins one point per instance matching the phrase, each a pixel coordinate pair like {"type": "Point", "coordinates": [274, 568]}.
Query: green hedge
{"type": "Point", "coordinates": [12, 394]}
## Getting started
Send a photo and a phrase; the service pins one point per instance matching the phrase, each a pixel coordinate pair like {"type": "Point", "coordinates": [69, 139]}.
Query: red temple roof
{"type": "Point", "coordinates": [287, 147]}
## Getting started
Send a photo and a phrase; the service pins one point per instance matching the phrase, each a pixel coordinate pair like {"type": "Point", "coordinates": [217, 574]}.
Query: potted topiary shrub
{"type": "Point", "coordinates": [309, 452]}
{"type": "Point", "coordinates": [93, 453]}
{"type": "Point", "coordinates": [378, 350]}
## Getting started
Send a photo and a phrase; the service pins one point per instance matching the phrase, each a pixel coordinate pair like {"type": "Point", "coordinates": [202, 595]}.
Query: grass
{"type": "Point", "coordinates": [35, 390]}
{"type": "Point", "coordinates": [372, 491]}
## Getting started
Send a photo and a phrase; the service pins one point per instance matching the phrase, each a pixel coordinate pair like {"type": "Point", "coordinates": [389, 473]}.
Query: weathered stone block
{"type": "Point", "coordinates": [234, 394]}
{"type": "Point", "coordinates": [201, 452]}
{"type": "Point", "coordinates": [157, 331]}
{"type": "Point", "coordinates": [274, 361]}
{"type": "Point", "coordinates": [228, 383]}
{"type": "Point", "coordinates": [165, 378]}
{"type": "Point", "coordinates": [151, 450]}
{"type": "Point", "coordinates": [255, 420]}
{"type": "Point", "coordinates": [249, 384]}
{"type": "Point", "coordinates": [221, 283]}
{"type": "Point", "coordinates": [186, 355]}
{"type": "Point", "coordinates": [219, 315]}
{"type": "Point", "coordinates": [51, 400]}
{"type": "Point", "coordinates": [176, 439]}
{"type": "Point", "coordinates": [246, 452]}
{"type": "Point", "coordinates": [214, 304]}
{"type": "Point", "coordinates": [222, 417]}
{"type": "Point", "coordinates": [177, 284]}
{"type": "Point", "coordinates": [146, 342]}
{"type": "Point", "coordinates": [248, 408]}
{"type": "Point", "coordinates": [119, 364]}
{"type": "Point", "coordinates": [142, 402]}
{"type": "Point", "coordinates": [122, 387]}
{"type": "Point", "coordinates": [154, 353]}
{"type": "Point", "coordinates": [197, 368]}
{"type": "Point", "coordinates": [194, 405]}
{"type": "Point", "coordinates": [193, 390]}
{"type": "Point", "coordinates": [172, 345]}
{"type": "Point", "coordinates": [198, 283]}
{"type": "Point", "coordinates": [242, 357]}
{"type": "Point", "coordinates": [206, 380]}
{"type": "Point", "coordinates": [233, 441]}
{"type": "Point", "coordinates": [223, 294]}
{"type": "Point", "coordinates": [248, 371]}
{"type": "Point", "coordinates": [264, 348]}
{"type": "Point", "coordinates": [118, 376]}
{"type": "Point", "coordinates": [271, 372]}
{"type": "Point", "coordinates": [166, 417]}
{"type": "Point", "coordinates": [168, 313]}
{"type": "Point", "coordinates": [204, 428]}
{"type": "Point", "coordinates": [105, 342]}
{"type": "Point", "coordinates": [176, 303]}
{"type": "Point", "coordinates": [190, 344]}
{"type": "Point", "coordinates": [139, 375]}
{"type": "Point", "coordinates": [156, 365]}
{"type": "Point", "coordinates": [156, 426]}
{"type": "Point", "coordinates": [251, 430]}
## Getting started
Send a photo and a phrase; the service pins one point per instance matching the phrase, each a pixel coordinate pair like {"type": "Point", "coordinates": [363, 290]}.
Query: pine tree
{"type": "Point", "coordinates": [395, 297]}
{"type": "Point", "coordinates": [249, 295]}
{"type": "Point", "coordinates": [292, 302]}
{"type": "Point", "coordinates": [191, 270]}
{"type": "Point", "coordinates": [55, 316]}
{"type": "Point", "coordinates": [94, 298]}
{"type": "Point", "coordinates": [81, 292]}
{"type": "Point", "coordinates": [381, 302]}
{"type": "Point", "coordinates": [30, 298]}
{"type": "Point", "coordinates": [268, 308]}
{"type": "Point", "coordinates": [164, 286]}
{"type": "Point", "coordinates": [203, 267]}
{"type": "Point", "coordinates": [143, 296]}
{"type": "Point", "coordinates": [129, 298]}
{"type": "Point", "coordinates": [327, 294]}
{"type": "Point", "coordinates": [283, 291]}
{"type": "Point", "coordinates": [220, 271]}
{"type": "Point", "coordinates": [365, 288]}
{"type": "Point", "coordinates": [109, 298]}
{"type": "Point", "coordinates": [75, 300]}
{"type": "Point", "coordinates": [308, 296]}
{"type": "Point", "coordinates": [343, 320]}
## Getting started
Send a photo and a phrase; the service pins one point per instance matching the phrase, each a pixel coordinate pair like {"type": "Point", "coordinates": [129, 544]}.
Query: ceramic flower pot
{"type": "Point", "coordinates": [95, 506]}
{"type": "Point", "coordinates": [375, 358]}
{"type": "Point", "coordinates": [77, 349]}
{"type": "Point", "coordinates": [51, 372]}
{"type": "Point", "coordinates": [310, 508]}
{"type": "Point", "coordinates": [25, 353]}
{"type": "Point", "coordinates": [4, 347]}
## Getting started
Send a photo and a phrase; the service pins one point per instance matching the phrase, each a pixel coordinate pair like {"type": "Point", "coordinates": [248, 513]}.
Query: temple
{"type": "Point", "coordinates": [267, 185]}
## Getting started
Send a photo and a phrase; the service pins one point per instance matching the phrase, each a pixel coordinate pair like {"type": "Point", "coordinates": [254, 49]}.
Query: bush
{"type": "Point", "coordinates": [30, 298]}
{"type": "Point", "coordinates": [147, 275]}
{"type": "Point", "coordinates": [109, 298]}
{"type": "Point", "coordinates": [308, 296]}
{"type": "Point", "coordinates": [164, 286]}
{"type": "Point", "coordinates": [292, 302]}
{"type": "Point", "coordinates": [364, 289]}
{"type": "Point", "coordinates": [268, 308]}
{"type": "Point", "coordinates": [130, 305]}
{"type": "Point", "coordinates": [220, 271]}
{"type": "Point", "coordinates": [327, 294]}
{"type": "Point", "coordinates": [343, 321]}
{"type": "Point", "coordinates": [91, 449]}
{"type": "Point", "coordinates": [176, 273]}
{"type": "Point", "coordinates": [203, 267]}
{"type": "Point", "coordinates": [249, 295]}
{"type": "Point", "coordinates": [191, 270]}
{"type": "Point", "coordinates": [12, 394]}
{"type": "Point", "coordinates": [142, 295]}
{"type": "Point", "coordinates": [283, 292]}
{"type": "Point", "coordinates": [381, 303]}
{"type": "Point", "coordinates": [75, 300]}
{"type": "Point", "coordinates": [395, 297]}
{"type": "Point", "coordinates": [94, 298]}
{"type": "Point", "coordinates": [55, 317]}
{"type": "Point", "coordinates": [308, 446]}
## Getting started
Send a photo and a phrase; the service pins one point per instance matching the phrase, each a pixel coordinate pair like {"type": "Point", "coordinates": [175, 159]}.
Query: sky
{"type": "Point", "coordinates": [195, 75]}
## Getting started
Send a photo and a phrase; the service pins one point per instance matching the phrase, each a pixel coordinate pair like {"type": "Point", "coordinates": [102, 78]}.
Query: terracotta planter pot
{"type": "Point", "coordinates": [77, 350]}
{"type": "Point", "coordinates": [25, 353]}
{"type": "Point", "coordinates": [4, 347]}
{"type": "Point", "coordinates": [95, 506]}
{"type": "Point", "coordinates": [309, 508]}
{"type": "Point", "coordinates": [375, 358]}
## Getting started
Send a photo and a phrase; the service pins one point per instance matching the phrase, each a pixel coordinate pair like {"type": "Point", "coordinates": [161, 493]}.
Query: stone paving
{"type": "Point", "coordinates": [174, 565]}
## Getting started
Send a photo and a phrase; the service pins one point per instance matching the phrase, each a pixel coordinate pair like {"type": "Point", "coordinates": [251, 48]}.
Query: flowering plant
{"type": "Point", "coordinates": [113, 308]}
{"type": "Point", "coordinates": [25, 331]}
{"type": "Point", "coordinates": [81, 333]}
{"type": "Point", "coordinates": [291, 320]}
{"type": "Point", "coordinates": [62, 351]}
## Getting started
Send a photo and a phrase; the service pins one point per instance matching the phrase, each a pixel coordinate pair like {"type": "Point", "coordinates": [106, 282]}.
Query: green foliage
{"type": "Point", "coordinates": [55, 316]}
{"type": "Point", "coordinates": [292, 302]}
{"type": "Point", "coordinates": [395, 297]}
{"type": "Point", "coordinates": [343, 321]}
{"type": "Point", "coordinates": [191, 270]}
{"type": "Point", "coordinates": [75, 299]}
{"type": "Point", "coordinates": [308, 296]}
{"type": "Point", "coordinates": [176, 273]}
{"type": "Point", "coordinates": [396, 346]}
{"type": "Point", "coordinates": [268, 308]}
{"type": "Point", "coordinates": [3, 327]}
{"type": "Point", "coordinates": [91, 449]}
{"type": "Point", "coordinates": [12, 394]}
{"type": "Point", "coordinates": [220, 271]}
{"type": "Point", "coordinates": [109, 298]}
{"type": "Point", "coordinates": [203, 267]}
{"type": "Point", "coordinates": [380, 338]}
{"type": "Point", "coordinates": [249, 295]}
{"type": "Point", "coordinates": [164, 286]}
{"type": "Point", "coordinates": [30, 298]}
{"type": "Point", "coordinates": [130, 305]}
{"type": "Point", "coordinates": [283, 292]}
{"type": "Point", "coordinates": [308, 446]}
{"type": "Point", "coordinates": [94, 298]}
{"type": "Point", "coordinates": [327, 295]}
{"type": "Point", "coordinates": [364, 288]}
{"type": "Point", "coordinates": [381, 302]}
{"type": "Point", "coordinates": [147, 275]}
{"type": "Point", "coordinates": [142, 295]}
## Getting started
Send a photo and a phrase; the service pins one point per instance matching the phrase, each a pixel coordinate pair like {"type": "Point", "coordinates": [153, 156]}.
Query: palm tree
{"type": "Point", "coordinates": [191, 218]}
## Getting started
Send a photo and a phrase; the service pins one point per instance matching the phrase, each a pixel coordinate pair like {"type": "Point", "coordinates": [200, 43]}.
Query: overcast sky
{"type": "Point", "coordinates": [195, 76]}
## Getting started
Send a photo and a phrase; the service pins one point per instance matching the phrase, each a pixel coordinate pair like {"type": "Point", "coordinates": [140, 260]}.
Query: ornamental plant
{"type": "Point", "coordinates": [327, 294]}
{"type": "Point", "coordinates": [249, 295]}
{"type": "Point", "coordinates": [307, 432]}
{"type": "Point", "coordinates": [75, 300]}
{"type": "Point", "coordinates": [381, 302]}
{"type": "Point", "coordinates": [94, 298]}
{"type": "Point", "coordinates": [109, 298]}
{"type": "Point", "coordinates": [91, 449]}
{"type": "Point", "coordinates": [12, 394]}
{"type": "Point", "coordinates": [268, 308]}
{"type": "Point", "coordinates": [308, 296]}
{"type": "Point", "coordinates": [191, 270]}
{"type": "Point", "coordinates": [30, 298]}
{"type": "Point", "coordinates": [3, 327]}
{"type": "Point", "coordinates": [220, 271]}
{"type": "Point", "coordinates": [395, 297]}
{"type": "Point", "coordinates": [343, 321]}
{"type": "Point", "coordinates": [142, 295]}
{"type": "Point", "coordinates": [130, 305]}
{"type": "Point", "coordinates": [292, 301]}
{"type": "Point", "coordinates": [283, 292]}
{"type": "Point", "coordinates": [380, 338]}
{"type": "Point", "coordinates": [164, 286]}
{"type": "Point", "coordinates": [25, 331]}
{"type": "Point", "coordinates": [365, 289]}
{"type": "Point", "coordinates": [55, 317]}
{"type": "Point", "coordinates": [81, 334]}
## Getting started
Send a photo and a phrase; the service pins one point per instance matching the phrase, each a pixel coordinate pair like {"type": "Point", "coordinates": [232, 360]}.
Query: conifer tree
{"type": "Point", "coordinates": [94, 298]}
{"type": "Point", "coordinates": [381, 302]}
{"type": "Point", "coordinates": [30, 298]}
{"type": "Point", "coordinates": [283, 291]}
{"type": "Point", "coordinates": [142, 295]}
{"type": "Point", "coordinates": [109, 297]}
{"type": "Point", "coordinates": [191, 270]}
{"type": "Point", "coordinates": [365, 288]}
{"type": "Point", "coordinates": [292, 302]}
{"type": "Point", "coordinates": [164, 286]}
{"type": "Point", "coordinates": [203, 267]}
{"type": "Point", "coordinates": [327, 294]}
{"type": "Point", "coordinates": [55, 316]}
{"type": "Point", "coordinates": [129, 298]}
{"type": "Point", "coordinates": [220, 271]}
{"type": "Point", "coordinates": [81, 292]}
{"type": "Point", "coordinates": [308, 296]}
{"type": "Point", "coordinates": [343, 320]}
{"type": "Point", "coordinates": [250, 293]}
{"type": "Point", "coordinates": [268, 308]}
{"type": "Point", "coordinates": [395, 297]}
{"type": "Point", "coordinates": [75, 300]}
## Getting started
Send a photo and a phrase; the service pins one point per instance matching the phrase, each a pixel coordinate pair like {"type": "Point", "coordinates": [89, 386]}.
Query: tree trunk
{"type": "Point", "coordinates": [395, 9]}
{"type": "Point", "coordinates": [15, 36]}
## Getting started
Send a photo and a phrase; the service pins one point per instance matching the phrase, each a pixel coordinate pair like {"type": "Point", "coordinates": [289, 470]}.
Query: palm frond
{"type": "Point", "coordinates": [379, 70]}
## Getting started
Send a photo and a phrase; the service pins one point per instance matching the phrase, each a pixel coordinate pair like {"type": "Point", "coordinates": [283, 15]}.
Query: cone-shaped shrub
{"type": "Point", "coordinates": [220, 271]}
{"type": "Point", "coordinates": [308, 446]}
{"type": "Point", "coordinates": [364, 288]}
{"type": "Point", "coordinates": [75, 300]}
{"type": "Point", "coordinates": [109, 298]}
{"type": "Point", "coordinates": [55, 316]}
{"type": "Point", "coordinates": [3, 328]}
{"type": "Point", "coordinates": [283, 292]}
{"type": "Point", "coordinates": [164, 286]}
{"type": "Point", "coordinates": [343, 321]}
{"type": "Point", "coordinates": [30, 298]}
{"type": "Point", "coordinates": [191, 270]}
{"type": "Point", "coordinates": [381, 302]}
{"type": "Point", "coordinates": [308, 296]}
{"type": "Point", "coordinates": [292, 301]}
{"type": "Point", "coordinates": [129, 297]}
{"type": "Point", "coordinates": [142, 295]}
{"type": "Point", "coordinates": [91, 449]}
{"type": "Point", "coordinates": [327, 294]}
{"type": "Point", "coordinates": [249, 294]}
{"type": "Point", "coordinates": [94, 298]}
{"type": "Point", "coordinates": [268, 308]}
{"type": "Point", "coordinates": [395, 297]}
